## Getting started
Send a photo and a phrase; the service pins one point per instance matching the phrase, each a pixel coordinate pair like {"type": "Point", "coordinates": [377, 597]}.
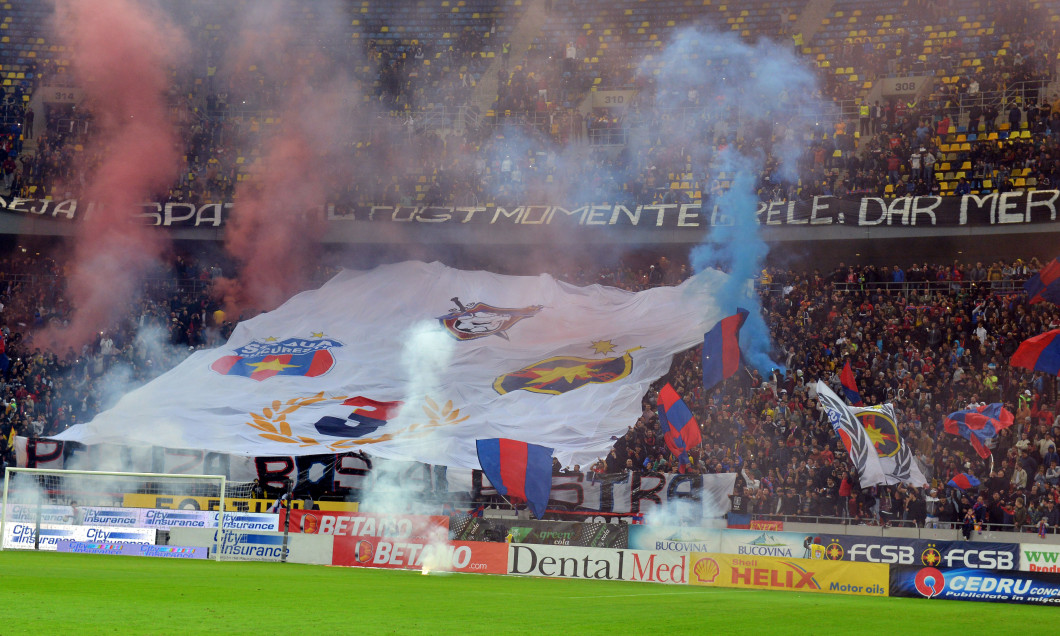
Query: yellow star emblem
{"type": "Point", "coordinates": [318, 334]}
{"type": "Point", "coordinates": [270, 364]}
{"type": "Point", "coordinates": [569, 374]}
{"type": "Point", "coordinates": [602, 347]}
{"type": "Point", "coordinates": [270, 339]}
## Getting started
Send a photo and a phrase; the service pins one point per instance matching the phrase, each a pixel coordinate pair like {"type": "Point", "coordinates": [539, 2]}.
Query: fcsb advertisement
{"type": "Point", "coordinates": [796, 575]}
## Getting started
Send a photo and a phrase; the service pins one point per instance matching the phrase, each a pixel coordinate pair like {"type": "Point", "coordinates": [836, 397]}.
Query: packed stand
{"type": "Point", "coordinates": [929, 349]}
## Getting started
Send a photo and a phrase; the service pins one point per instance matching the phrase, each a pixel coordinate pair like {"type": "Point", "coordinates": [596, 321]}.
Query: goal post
{"type": "Point", "coordinates": [43, 506]}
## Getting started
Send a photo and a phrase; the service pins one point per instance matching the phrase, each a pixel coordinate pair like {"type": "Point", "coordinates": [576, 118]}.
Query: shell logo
{"type": "Point", "coordinates": [364, 551]}
{"type": "Point", "coordinates": [706, 570]}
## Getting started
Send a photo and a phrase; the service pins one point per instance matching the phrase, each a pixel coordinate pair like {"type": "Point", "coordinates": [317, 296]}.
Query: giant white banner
{"type": "Point", "coordinates": [416, 361]}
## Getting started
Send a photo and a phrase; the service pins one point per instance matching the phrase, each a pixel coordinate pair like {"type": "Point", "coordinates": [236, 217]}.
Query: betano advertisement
{"type": "Point", "coordinates": [794, 575]}
{"type": "Point", "coordinates": [423, 528]}
{"type": "Point", "coordinates": [598, 563]}
{"type": "Point", "coordinates": [455, 556]}
{"type": "Point", "coordinates": [970, 584]}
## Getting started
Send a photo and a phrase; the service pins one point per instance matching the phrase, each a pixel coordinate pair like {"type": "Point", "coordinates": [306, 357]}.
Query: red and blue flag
{"type": "Point", "coordinates": [1045, 285]}
{"type": "Point", "coordinates": [721, 349]}
{"type": "Point", "coordinates": [964, 481]}
{"type": "Point", "coordinates": [518, 469]}
{"type": "Point", "coordinates": [979, 425]}
{"type": "Point", "coordinates": [1040, 353]}
{"type": "Point", "coordinates": [679, 427]}
{"type": "Point", "coordinates": [850, 388]}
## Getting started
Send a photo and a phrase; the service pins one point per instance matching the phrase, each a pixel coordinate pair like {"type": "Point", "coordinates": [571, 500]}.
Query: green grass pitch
{"type": "Point", "coordinates": [51, 593]}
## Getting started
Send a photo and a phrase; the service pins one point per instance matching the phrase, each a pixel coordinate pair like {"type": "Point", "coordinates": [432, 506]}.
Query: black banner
{"type": "Point", "coordinates": [967, 584]}
{"type": "Point", "coordinates": [1009, 208]}
{"type": "Point", "coordinates": [594, 535]}
{"type": "Point", "coordinates": [897, 551]}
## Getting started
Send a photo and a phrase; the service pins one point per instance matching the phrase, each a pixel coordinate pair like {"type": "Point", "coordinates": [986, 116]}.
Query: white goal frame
{"type": "Point", "coordinates": [102, 473]}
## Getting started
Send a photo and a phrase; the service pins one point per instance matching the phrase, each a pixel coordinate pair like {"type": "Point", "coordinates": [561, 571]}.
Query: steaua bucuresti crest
{"type": "Point", "coordinates": [479, 320]}
{"type": "Point", "coordinates": [264, 358]}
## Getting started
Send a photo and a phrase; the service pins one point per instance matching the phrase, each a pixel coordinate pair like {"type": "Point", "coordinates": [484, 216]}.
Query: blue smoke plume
{"type": "Point", "coordinates": [751, 109]}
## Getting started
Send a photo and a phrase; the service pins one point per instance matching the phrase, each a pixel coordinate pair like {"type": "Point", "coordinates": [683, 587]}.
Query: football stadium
{"type": "Point", "coordinates": [513, 316]}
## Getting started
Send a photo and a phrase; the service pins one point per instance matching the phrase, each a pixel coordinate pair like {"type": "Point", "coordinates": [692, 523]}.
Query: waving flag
{"type": "Point", "coordinates": [881, 424]}
{"type": "Point", "coordinates": [850, 388]}
{"type": "Point", "coordinates": [415, 361]}
{"type": "Point", "coordinates": [721, 349]}
{"type": "Point", "coordinates": [855, 439]}
{"type": "Point", "coordinates": [1045, 285]}
{"type": "Point", "coordinates": [518, 469]}
{"type": "Point", "coordinates": [964, 481]}
{"type": "Point", "coordinates": [1040, 353]}
{"type": "Point", "coordinates": [978, 425]}
{"type": "Point", "coordinates": [680, 430]}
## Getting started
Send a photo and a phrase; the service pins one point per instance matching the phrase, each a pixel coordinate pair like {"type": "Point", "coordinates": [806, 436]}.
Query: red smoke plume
{"type": "Point", "coordinates": [123, 55]}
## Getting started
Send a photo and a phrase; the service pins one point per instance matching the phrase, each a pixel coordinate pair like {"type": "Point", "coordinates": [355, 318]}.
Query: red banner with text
{"type": "Point", "coordinates": [421, 528]}
{"type": "Point", "coordinates": [456, 556]}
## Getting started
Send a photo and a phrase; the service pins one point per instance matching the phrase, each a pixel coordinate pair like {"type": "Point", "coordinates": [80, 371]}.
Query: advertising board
{"type": "Point", "coordinates": [898, 551]}
{"type": "Point", "coordinates": [424, 528]}
{"type": "Point", "coordinates": [21, 535]}
{"type": "Point", "coordinates": [597, 535]}
{"type": "Point", "coordinates": [132, 549]}
{"type": "Point", "coordinates": [674, 538]}
{"type": "Point", "coordinates": [179, 502]}
{"type": "Point", "coordinates": [598, 563]}
{"type": "Point", "coordinates": [454, 556]}
{"type": "Point", "coordinates": [796, 575]}
{"type": "Point", "coordinates": [971, 584]}
{"type": "Point", "coordinates": [257, 545]}
{"type": "Point", "coordinates": [1039, 557]}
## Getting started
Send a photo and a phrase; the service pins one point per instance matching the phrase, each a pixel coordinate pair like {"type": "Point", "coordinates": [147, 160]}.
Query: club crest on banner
{"type": "Point", "coordinates": [262, 359]}
{"type": "Point", "coordinates": [479, 320]}
{"type": "Point", "coordinates": [561, 374]}
{"type": "Point", "coordinates": [834, 551]}
{"type": "Point", "coordinates": [882, 430]}
{"type": "Point", "coordinates": [930, 556]}
{"type": "Point", "coordinates": [363, 417]}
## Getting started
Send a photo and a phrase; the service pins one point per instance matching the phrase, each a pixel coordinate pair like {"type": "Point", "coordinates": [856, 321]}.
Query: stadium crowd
{"type": "Point", "coordinates": [929, 349]}
{"type": "Point", "coordinates": [896, 146]}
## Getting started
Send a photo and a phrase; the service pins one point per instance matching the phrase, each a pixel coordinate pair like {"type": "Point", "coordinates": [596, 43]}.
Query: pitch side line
{"type": "Point", "coordinates": [622, 595]}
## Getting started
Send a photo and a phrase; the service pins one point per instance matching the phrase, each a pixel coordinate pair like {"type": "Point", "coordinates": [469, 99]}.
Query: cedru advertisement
{"type": "Point", "coordinates": [797, 575]}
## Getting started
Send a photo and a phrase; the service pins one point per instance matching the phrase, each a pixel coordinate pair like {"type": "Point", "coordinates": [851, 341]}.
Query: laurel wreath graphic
{"type": "Point", "coordinates": [273, 424]}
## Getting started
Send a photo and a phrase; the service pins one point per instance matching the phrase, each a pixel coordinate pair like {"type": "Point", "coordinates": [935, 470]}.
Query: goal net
{"type": "Point", "coordinates": [64, 509]}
